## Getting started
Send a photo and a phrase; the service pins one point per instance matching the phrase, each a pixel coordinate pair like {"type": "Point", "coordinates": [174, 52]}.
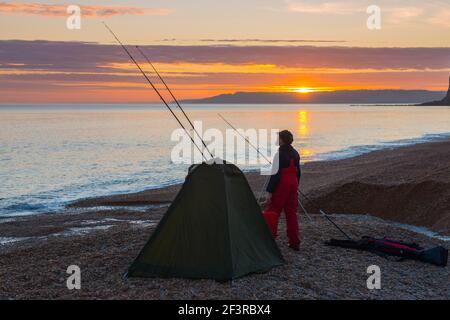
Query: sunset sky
{"type": "Point", "coordinates": [206, 47]}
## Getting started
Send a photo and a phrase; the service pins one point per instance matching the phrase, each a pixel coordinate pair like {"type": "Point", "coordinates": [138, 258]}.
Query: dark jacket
{"type": "Point", "coordinates": [286, 153]}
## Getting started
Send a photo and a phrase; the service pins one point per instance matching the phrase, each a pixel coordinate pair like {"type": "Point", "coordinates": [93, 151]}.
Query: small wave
{"type": "Point", "coordinates": [11, 240]}
{"type": "Point", "coordinates": [363, 149]}
{"type": "Point", "coordinates": [52, 201]}
{"type": "Point", "coordinates": [424, 138]}
{"type": "Point", "coordinates": [416, 229]}
{"type": "Point", "coordinates": [422, 230]}
{"type": "Point", "coordinates": [24, 207]}
{"type": "Point", "coordinates": [78, 231]}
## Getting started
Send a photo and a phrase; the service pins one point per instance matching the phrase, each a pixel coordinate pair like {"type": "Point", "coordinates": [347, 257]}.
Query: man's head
{"type": "Point", "coordinates": [285, 137]}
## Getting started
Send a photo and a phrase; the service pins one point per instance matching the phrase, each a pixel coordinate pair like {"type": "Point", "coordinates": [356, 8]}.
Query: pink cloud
{"type": "Point", "coordinates": [87, 56]}
{"type": "Point", "coordinates": [53, 10]}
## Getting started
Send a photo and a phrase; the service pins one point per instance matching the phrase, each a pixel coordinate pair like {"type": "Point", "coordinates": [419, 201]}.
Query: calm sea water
{"type": "Point", "coordinates": [53, 154]}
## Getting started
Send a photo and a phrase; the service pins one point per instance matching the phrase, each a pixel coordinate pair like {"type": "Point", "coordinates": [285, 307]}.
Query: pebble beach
{"type": "Point", "coordinates": [374, 194]}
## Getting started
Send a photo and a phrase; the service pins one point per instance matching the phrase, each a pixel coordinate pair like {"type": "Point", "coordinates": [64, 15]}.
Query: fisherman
{"type": "Point", "coordinates": [283, 188]}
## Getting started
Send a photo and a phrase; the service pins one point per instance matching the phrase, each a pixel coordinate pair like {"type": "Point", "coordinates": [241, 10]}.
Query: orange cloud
{"type": "Point", "coordinates": [191, 69]}
{"type": "Point", "coordinates": [102, 73]}
{"type": "Point", "coordinates": [53, 10]}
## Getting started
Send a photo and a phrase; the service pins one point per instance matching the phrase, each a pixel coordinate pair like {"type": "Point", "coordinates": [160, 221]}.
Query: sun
{"type": "Point", "coordinates": [304, 90]}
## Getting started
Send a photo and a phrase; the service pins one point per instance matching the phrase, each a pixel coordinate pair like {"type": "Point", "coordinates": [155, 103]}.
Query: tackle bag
{"type": "Point", "coordinates": [388, 247]}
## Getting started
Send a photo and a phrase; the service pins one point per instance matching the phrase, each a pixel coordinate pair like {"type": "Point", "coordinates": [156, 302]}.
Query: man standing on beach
{"type": "Point", "coordinates": [283, 188]}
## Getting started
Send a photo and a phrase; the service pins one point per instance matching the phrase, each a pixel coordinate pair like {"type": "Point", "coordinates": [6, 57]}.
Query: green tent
{"type": "Point", "coordinates": [213, 229]}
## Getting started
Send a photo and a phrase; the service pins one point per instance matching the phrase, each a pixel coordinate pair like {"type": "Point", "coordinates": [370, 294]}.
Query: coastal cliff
{"type": "Point", "coordinates": [443, 102]}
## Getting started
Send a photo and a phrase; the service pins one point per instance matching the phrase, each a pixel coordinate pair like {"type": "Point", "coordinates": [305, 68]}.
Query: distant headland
{"type": "Point", "coordinates": [333, 97]}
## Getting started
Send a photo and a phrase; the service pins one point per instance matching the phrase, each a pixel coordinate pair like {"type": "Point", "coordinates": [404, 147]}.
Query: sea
{"type": "Point", "coordinates": [52, 154]}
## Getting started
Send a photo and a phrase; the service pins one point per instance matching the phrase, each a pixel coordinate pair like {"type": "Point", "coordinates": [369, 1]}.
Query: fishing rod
{"type": "Point", "coordinates": [254, 147]}
{"type": "Point", "coordinates": [298, 191]}
{"type": "Point", "coordinates": [173, 97]}
{"type": "Point", "coordinates": [315, 205]}
{"type": "Point", "coordinates": [154, 88]}
{"type": "Point", "coordinates": [242, 136]}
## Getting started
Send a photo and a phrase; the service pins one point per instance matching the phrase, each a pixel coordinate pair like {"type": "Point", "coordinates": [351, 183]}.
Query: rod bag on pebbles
{"type": "Point", "coordinates": [388, 247]}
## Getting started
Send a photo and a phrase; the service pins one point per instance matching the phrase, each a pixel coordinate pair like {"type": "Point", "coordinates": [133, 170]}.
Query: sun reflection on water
{"type": "Point", "coordinates": [303, 128]}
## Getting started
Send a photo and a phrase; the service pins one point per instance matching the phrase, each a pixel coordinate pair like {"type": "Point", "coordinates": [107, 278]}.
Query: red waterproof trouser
{"type": "Point", "coordinates": [286, 197]}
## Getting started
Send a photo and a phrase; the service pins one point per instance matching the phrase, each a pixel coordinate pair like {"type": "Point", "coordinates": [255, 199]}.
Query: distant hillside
{"type": "Point", "coordinates": [346, 96]}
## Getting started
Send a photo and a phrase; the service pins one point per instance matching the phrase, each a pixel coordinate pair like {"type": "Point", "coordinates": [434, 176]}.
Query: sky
{"type": "Point", "coordinates": [207, 47]}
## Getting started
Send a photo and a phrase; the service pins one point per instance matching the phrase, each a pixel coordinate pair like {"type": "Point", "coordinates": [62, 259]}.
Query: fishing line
{"type": "Point", "coordinates": [173, 97]}
{"type": "Point", "coordinates": [315, 205]}
{"type": "Point", "coordinates": [154, 88]}
{"type": "Point", "coordinates": [298, 191]}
